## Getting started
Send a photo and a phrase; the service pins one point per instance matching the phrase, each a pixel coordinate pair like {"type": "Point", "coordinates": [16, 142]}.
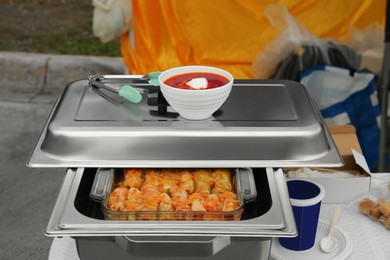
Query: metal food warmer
{"type": "Point", "coordinates": [263, 126]}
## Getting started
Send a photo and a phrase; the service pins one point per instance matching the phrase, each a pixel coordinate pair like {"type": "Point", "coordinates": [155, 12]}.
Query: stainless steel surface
{"type": "Point", "coordinates": [95, 81]}
{"type": "Point", "coordinates": [262, 124]}
{"type": "Point", "coordinates": [66, 220]}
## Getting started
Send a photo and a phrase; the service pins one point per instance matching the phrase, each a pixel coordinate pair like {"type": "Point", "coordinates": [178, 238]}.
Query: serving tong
{"type": "Point", "coordinates": [120, 94]}
{"type": "Point", "coordinates": [143, 84]}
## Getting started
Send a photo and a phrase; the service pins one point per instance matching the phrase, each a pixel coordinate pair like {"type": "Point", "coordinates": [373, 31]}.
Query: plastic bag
{"type": "Point", "coordinates": [346, 97]}
{"type": "Point", "coordinates": [111, 18]}
{"type": "Point", "coordinates": [296, 49]}
{"type": "Point", "coordinates": [372, 37]}
{"type": "Point", "coordinates": [369, 44]}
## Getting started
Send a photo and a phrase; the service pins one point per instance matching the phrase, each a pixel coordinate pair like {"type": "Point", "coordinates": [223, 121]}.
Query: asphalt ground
{"type": "Point", "coordinates": [29, 86]}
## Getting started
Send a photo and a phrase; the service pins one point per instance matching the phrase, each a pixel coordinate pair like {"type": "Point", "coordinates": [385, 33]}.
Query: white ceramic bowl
{"type": "Point", "coordinates": [195, 104]}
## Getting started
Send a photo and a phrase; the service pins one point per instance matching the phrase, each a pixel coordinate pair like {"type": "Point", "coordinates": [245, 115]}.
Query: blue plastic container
{"type": "Point", "coordinates": [305, 198]}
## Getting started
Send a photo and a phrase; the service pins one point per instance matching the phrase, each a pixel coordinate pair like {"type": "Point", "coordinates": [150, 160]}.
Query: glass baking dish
{"type": "Point", "coordinates": [107, 179]}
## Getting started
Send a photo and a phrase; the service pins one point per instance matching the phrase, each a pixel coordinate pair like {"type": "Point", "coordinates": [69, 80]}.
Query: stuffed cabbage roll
{"type": "Point", "coordinates": [117, 198]}
{"type": "Point", "coordinates": [168, 180]}
{"type": "Point", "coordinates": [152, 179]}
{"type": "Point", "coordinates": [186, 180]}
{"type": "Point", "coordinates": [133, 178]}
{"type": "Point", "coordinates": [203, 181]}
{"type": "Point", "coordinates": [222, 181]}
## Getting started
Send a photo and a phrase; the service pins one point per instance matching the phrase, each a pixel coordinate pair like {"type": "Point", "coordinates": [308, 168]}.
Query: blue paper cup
{"type": "Point", "coordinates": [305, 198]}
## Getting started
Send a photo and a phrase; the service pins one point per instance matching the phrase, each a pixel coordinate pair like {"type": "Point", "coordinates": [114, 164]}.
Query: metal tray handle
{"type": "Point", "coordinates": [246, 183]}
{"type": "Point", "coordinates": [173, 247]}
{"type": "Point", "coordinates": [102, 182]}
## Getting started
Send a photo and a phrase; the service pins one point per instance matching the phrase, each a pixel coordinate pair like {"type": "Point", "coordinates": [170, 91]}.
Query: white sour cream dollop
{"type": "Point", "coordinates": [198, 83]}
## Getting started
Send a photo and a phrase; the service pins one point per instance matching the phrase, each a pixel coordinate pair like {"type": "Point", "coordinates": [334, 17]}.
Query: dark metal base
{"type": "Point", "coordinates": [119, 248]}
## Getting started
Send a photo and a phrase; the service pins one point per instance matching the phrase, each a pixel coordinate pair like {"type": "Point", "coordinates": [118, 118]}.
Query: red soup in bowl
{"type": "Point", "coordinates": [197, 81]}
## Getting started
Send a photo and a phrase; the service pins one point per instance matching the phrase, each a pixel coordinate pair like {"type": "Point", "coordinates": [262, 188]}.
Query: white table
{"type": "Point", "coordinates": [371, 240]}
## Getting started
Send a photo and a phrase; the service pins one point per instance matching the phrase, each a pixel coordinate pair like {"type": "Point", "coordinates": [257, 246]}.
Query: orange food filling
{"type": "Point", "coordinates": [201, 190]}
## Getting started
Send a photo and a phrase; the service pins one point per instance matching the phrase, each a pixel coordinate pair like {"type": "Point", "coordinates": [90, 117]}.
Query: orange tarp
{"type": "Point", "coordinates": [229, 33]}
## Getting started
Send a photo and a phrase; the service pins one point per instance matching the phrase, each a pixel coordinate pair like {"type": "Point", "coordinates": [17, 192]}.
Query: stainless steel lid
{"type": "Point", "coordinates": [264, 123]}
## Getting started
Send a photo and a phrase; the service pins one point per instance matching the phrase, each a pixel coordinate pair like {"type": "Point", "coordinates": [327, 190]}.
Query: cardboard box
{"type": "Point", "coordinates": [345, 189]}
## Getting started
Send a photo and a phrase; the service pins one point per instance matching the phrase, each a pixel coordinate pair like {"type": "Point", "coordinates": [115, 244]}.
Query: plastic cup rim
{"type": "Point", "coordinates": [310, 201]}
